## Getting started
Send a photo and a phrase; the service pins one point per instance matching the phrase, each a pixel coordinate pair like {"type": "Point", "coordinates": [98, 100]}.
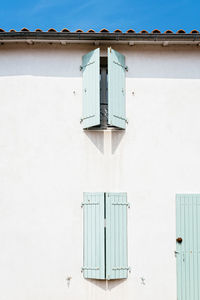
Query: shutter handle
{"type": "Point", "coordinates": [179, 240]}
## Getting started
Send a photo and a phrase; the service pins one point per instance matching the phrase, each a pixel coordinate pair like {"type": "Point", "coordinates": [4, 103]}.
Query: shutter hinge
{"type": "Point", "coordinates": [90, 63]}
{"type": "Point", "coordinates": [86, 268]}
{"type": "Point", "coordinates": [118, 203]}
{"type": "Point", "coordinates": [82, 119]}
{"type": "Point", "coordinates": [122, 268]}
{"type": "Point", "coordinates": [124, 67]}
{"type": "Point", "coordinates": [89, 203]}
{"type": "Point", "coordinates": [124, 119]}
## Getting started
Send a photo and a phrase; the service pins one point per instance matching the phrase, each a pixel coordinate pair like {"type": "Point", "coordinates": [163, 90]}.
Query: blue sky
{"type": "Point", "coordinates": [95, 14]}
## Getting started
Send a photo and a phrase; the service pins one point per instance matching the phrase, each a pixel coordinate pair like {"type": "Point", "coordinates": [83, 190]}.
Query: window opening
{"type": "Point", "coordinates": [103, 92]}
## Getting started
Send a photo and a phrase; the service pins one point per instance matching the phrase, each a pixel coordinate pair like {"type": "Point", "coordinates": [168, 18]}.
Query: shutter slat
{"type": "Point", "coordinates": [116, 236]}
{"type": "Point", "coordinates": [116, 89]}
{"type": "Point", "coordinates": [91, 89]}
{"type": "Point", "coordinates": [93, 248]}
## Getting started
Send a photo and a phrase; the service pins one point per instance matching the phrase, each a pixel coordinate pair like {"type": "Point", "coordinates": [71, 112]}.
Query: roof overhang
{"type": "Point", "coordinates": [77, 37]}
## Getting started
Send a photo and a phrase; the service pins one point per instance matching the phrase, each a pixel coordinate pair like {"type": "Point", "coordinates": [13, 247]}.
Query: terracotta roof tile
{"type": "Point", "coordinates": [24, 29]}
{"type": "Point", "coordinates": [194, 31]}
{"type": "Point", "coordinates": [91, 30]}
{"type": "Point", "coordinates": [156, 31]}
{"type": "Point", "coordinates": [130, 31]}
{"type": "Point", "coordinates": [52, 30]}
{"type": "Point", "coordinates": [181, 31]}
{"type": "Point", "coordinates": [65, 30]}
{"type": "Point", "coordinates": [117, 31]}
{"type": "Point", "coordinates": [168, 31]}
{"type": "Point", "coordinates": [104, 30]}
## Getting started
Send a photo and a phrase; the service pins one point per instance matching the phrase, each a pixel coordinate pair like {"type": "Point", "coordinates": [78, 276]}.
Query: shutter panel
{"type": "Point", "coordinates": [116, 89]}
{"type": "Point", "coordinates": [91, 89]}
{"type": "Point", "coordinates": [188, 251]}
{"type": "Point", "coordinates": [116, 236]}
{"type": "Point", "coordinates": [93, 248]}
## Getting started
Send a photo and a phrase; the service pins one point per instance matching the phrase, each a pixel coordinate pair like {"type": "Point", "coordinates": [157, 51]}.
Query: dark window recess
{"type": "Point", "coordinates": [103, 92]}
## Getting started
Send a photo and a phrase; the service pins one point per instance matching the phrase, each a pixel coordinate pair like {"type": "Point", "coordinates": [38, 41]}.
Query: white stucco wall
{"type": "Point", "coordinates": [47, 161]}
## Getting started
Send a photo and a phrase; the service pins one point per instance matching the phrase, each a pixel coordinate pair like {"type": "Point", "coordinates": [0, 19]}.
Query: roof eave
{"type": "Point", "coordinates": [103, 37]}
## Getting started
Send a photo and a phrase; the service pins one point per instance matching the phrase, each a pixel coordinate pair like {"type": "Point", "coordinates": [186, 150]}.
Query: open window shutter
{"type": "Point", "coordinates": [116, 89]}
{"type": "Point", "coordinates": [116, 236]}
{"type": "Point", "coordinates": [91, 90]}
{"type": "Point", "coordinates": [93, 253]}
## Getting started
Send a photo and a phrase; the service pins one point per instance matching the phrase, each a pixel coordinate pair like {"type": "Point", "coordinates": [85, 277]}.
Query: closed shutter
{"type": "Point", "coordinates": [93, 254]}
{"type": "Point", "coordinates": [188, 246]}
{"type": "Point", "coordinates": [91, 90]}
{"type": "Point", "coordinates": [116, 236]}
{"type": "Point", "coordinates": [116, 89]}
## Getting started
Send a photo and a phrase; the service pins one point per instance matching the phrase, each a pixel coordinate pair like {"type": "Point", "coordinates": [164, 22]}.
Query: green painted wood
{"type": "Point", "coordinates": [93, 237]}
{"type": "Point", "coordinates": [91, 89]}
{"type": "Point", "coordinates": [188, 252]}
{"type": "Point", "coordinates": [116, 236]}
{"type": "Point", "coordinates": [116, 89]}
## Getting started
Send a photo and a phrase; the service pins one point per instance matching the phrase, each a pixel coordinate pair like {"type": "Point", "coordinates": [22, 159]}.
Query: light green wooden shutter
{"type": "Point", "coordinates": [91, 90]}
{"type": "Point", "coordinates": [116, 89]}
{"type": "Point", "coordinates": [93, 250]}
{"type": "Point", "coordinates": [188, 251]}
{"type": "Point", "coordinates": [116, 236]}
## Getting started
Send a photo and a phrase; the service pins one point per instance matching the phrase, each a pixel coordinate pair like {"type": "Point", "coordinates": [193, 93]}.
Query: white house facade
{"type": "Point", "coordinates": [94, 208]}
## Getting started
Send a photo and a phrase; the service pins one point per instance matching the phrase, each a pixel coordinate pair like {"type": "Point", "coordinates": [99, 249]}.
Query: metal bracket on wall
{"type": "Point", "coordinates": [175, 253]}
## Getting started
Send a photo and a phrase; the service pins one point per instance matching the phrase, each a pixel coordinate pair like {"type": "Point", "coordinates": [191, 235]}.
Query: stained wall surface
{"type": "Point", "coordinates": [47, 161]}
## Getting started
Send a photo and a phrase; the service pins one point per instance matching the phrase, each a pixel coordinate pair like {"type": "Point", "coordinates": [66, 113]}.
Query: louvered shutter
{"type": "Point", "coordinates": [116, 89]}
{"type": "Point", "coordinates": [116, 236]}
{"type": "Point", "coordinates": [91, 89]}
{"type": "Point", "coordinates": [93, 236]}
